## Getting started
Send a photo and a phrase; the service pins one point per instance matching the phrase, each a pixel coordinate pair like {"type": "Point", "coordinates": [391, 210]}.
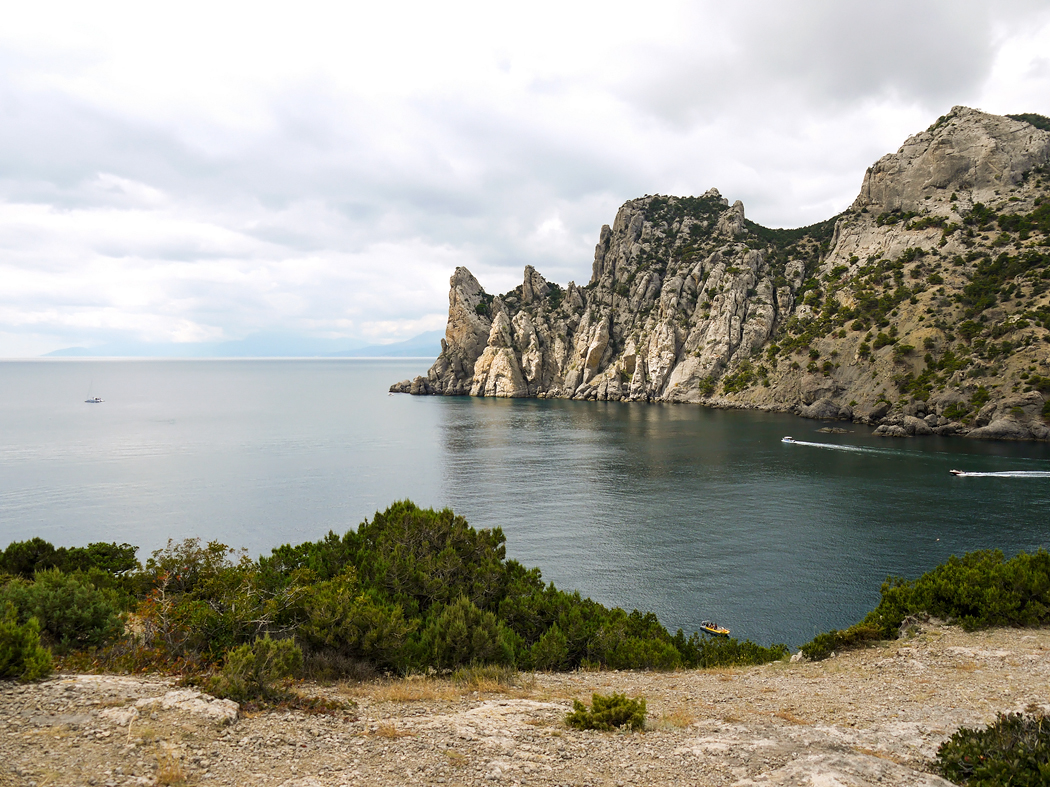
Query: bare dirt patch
{"type": "Point", "coordinates": [874, 716]}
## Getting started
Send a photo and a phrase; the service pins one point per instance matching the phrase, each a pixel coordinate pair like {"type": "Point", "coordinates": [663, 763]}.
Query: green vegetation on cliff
{"type": "Point", "coordinates": [1014, 751]}
{"type": "Point", "coordinates": [411, 590]}
{"type": "Point", "coordinates": [926, 299]}
{"type": "Point", "coordinates": [979, 590]}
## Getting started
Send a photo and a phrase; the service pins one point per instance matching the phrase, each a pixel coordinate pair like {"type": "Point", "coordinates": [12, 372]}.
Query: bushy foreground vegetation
{"type": "Point", "coordinates": [412, 590]}
{"type": "Point", "coordinates": [608, 713]}
{"type": "Point", "coordinates": [979, 590]}
{"type": "Point", "coordinates": [1014, 751]}
{"type": "Point", "coordinates": [21, 655]}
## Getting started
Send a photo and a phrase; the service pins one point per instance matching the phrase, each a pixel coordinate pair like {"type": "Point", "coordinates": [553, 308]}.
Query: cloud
{"type": "Point", "coordinates": [322, 172]}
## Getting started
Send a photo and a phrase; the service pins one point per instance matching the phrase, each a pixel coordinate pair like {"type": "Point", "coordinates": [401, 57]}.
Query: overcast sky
{"type": "Point", "coordinates": [213, 170]}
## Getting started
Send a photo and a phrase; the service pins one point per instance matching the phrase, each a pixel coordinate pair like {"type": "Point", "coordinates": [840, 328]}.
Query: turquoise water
{"type": "Point", "coordinates": [690, 513]}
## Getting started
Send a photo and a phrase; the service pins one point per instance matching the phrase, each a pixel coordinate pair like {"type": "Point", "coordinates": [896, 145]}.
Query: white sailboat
{"type": "Point", "coordinates": [93, 399]}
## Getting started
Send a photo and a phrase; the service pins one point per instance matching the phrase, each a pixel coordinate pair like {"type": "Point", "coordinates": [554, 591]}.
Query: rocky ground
{"type": "Point", "coordinates": [874, 716]}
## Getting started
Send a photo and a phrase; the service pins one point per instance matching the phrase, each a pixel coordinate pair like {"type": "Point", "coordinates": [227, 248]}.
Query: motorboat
{"type": "Point", "coordinates": [95, 400]}
{"type": "Point", "coordinates": [788, 440]}
{"type": "Point", "coordinates": [957, 472]}
{"type": "Point", "coordinates": [713, 628]}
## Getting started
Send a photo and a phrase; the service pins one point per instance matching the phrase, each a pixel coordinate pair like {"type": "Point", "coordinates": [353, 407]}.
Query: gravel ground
{"type": "Point", "coordinates": [874, 716]}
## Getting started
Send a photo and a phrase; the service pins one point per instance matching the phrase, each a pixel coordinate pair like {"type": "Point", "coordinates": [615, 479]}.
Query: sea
{"type": "Point", "coordinates": [692, 513]}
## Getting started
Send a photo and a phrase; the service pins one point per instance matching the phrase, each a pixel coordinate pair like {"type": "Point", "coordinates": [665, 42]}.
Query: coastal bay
{"type": "Point", "coordinates": [689, 512]}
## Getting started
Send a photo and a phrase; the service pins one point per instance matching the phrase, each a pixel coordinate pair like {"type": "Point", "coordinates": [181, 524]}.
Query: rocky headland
{"type": "Point", "coordinates": [868, 717]}
{"type": "Point", "coordinates": [923, 308]}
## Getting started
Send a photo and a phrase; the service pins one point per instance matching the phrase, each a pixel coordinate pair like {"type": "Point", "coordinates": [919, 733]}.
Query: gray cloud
{"type": "Point", "coordinates": [788, 61]}
{"type": "Point", "coordinates": [340, 211]}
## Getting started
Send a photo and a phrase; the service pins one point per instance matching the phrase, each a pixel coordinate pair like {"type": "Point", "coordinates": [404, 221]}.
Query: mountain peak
{"type": "Point", "coordinates": [974, 155]}
{"type": "Point", "coordinates": [925, 308]}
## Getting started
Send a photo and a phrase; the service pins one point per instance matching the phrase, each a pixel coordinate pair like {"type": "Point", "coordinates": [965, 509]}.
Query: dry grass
{"type": "Point", "coordinates": [145, 734]}
{"type": "Point", "coordinates": [418, 688]}
{"type": "Point", "coordinates": [790, 717]}
{"type": "Point", "coordinates": [170, 772]}
{"type": "Point", "coordinates": [388, 729]}
{"type": "Point", "coordinates": [675, 720]}
{"type": "Point", "coordinates": [880, 754]}
{"type": "Point", "coordinates": [494, 679]}
{"type": "Point", "coordinates": [58, 732]}
{"type": "Point", "coordinates": [457, 760]}
{"type": "Point", "coordinates": [408, 690]}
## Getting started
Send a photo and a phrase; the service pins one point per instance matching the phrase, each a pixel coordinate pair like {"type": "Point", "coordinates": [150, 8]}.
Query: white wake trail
{"type": "Point", "coordinates": [1006, 474]}
{"type": "Point", "coordinates": [852, 448]}
{"type": "Point", "coordinates": [890, 452]}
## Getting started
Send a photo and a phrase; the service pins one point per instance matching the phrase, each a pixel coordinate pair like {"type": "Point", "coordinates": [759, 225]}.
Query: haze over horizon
{"type": "Point", "coordinates": [214, 173]}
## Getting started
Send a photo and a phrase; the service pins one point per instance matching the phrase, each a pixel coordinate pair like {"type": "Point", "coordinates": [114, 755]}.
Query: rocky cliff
{"type": "Point", "coordinates": [924, 307]}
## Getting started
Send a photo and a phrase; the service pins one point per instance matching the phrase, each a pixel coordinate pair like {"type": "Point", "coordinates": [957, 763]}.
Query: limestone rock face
{"type": "Point", "coordinates": [967, 152]}
{"type": "Point", "coordinates": [921, 309]}
{"type": "Point", "coordinates": [825, 409]}
{"type": "Point", "coordinates": [466, 336]}
{"type": "Point", "coordinates": [1002, 429]}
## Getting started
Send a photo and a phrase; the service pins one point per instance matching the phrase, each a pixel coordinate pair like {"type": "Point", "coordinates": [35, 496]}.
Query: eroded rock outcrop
{"type": "Point", "coordinates": [922, 307]}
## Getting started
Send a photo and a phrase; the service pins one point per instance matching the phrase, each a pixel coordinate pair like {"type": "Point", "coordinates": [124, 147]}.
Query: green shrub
{"type": "Point", "coordinates": [551, 651]}
{"type": "Point", "coordinates": [461, 634]}
{"type": "Point", "coordinates": [1014, 751]}
{"type": "Point", "coordinates": [252, 671]}
{"type": "Point", "coordinates": [882, 340]}
{"type": "Point", "coordinates": [25, 558]}
{"type": "Point", "coordinates": [421, 558]}
{"type": "Point", "coordinates": [412, 589]}
{"type": "Point", "coordinates": [72, 612]}
{"type": "Point", "coordinates": [979, 590]}
{"type": "Point", "coordinates": [611, 712]}
{"type": "Point", "coordinates": [483, 676]}
{"type": "Point", "coordinates": [823, 645]}
{"type": "Point", "coordinates": [339, 618]}
{"type": "Point", "coordinates": [980, 397]}
{"type": "Point", "coordinates": [182, 566]}
{"type": "Point", "coordinates": [707, 652]}
{"type": "Point", "coordinates": [1039, 121]}
{"type": "Point", "coordinates": [616, 652]}
{"type": "Point", "coordinates": [198, 603]}
{"type": "Point", "coordinates": [21, 655]}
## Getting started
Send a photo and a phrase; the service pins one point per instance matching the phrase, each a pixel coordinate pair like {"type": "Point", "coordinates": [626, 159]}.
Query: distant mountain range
{"type": "Point", "coordinates": [425, 345]}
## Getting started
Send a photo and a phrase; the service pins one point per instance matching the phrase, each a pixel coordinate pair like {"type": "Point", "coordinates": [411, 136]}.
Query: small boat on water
{"type": "Point", "coordinates": [788, 440]}
{"type": "Point", "coordinates": [957, 472]}
{"type": "Point", "coordinates": [95, 400]}
{"type": "Point", "coordinates": [713, 628]}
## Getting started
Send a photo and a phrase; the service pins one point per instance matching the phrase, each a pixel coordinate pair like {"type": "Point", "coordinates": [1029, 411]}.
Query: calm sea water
{"type": "Point", "coordinates": [688, 512]}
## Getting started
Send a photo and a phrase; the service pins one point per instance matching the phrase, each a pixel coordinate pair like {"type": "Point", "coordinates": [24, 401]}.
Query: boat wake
{"type": "Point", "coordinates": [856, 449]}
{"type": "Point", "coordinates": [1004, 474]}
